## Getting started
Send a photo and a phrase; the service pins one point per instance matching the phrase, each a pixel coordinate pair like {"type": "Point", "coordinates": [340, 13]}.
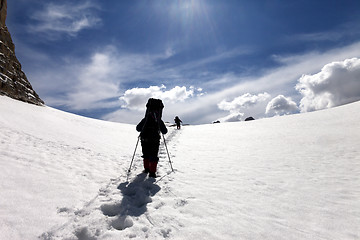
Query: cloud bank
{"type": "Point", "coordinates": [281, 105]}
{"type": "Point", "coordinates": [100, 82]}
{"type": "Point", "coordinates": [236, 106]}
{"type": "Point", "coordinates": [336, 84]}
{"type": "Point", "coordinates": [232, 117]}
{"type": "Point", "coordinates": [136, 98]}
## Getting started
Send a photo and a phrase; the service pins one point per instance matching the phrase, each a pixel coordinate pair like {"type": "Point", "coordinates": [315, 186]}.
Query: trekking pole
{"type": "Point", "coordinates": [164, 143]}
{"type": "Point", "coordinates": [133, 155]}
{"type": "Point", "coordinates": [167, 153]}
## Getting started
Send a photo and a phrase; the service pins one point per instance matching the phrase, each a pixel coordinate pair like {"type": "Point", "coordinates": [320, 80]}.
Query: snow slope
{"type": "Point", "coordinates": [65, 177]}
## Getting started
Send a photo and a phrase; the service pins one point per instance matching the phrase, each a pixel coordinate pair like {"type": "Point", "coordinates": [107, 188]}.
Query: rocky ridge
{"type": "Point", "coordinates": [13, 81]}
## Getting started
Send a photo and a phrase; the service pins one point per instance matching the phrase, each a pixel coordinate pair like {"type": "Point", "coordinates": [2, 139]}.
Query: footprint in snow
{"type": "Point", "coordinates": [181, 203]}
{"type": "Point", "coordinates": [136, 195]}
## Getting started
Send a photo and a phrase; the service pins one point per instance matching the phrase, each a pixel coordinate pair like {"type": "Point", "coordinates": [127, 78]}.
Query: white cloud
{"type": "Point", "coordinates": [242, 101]}
{"type": "Point", "coordinates": [317, 36]}
{"type": "Point", "coordinates": [281, 105]}
{"type": "Point", "coordinates": [96, 82]}
{"type": "Point", "coordinates": [336, 84]}
{"type": "Point", "coordinates": [340, 32]}
{"type": "Point", "coordinates": [232, 117]}
{"type": "Point", "coordinates": [136, 98]}
{"type": "Point", "coordinates": [169, 52]}
{"type": "Point", "coordinates": [88, 84]}
{"type": "Point", "coordinates": [61, 18]}
{"type": "Point", "coordinates": [236, 106]}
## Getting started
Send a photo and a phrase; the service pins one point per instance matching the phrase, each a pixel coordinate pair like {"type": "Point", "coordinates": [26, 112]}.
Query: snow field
{"type": "Point", "coordinates": [293, 177]}
{"type": "Point", "coordinates": [52, 164]}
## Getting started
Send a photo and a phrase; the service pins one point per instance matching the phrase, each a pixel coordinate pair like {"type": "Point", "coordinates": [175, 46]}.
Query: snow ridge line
{"type": "Point", "coordinates": [109, 210]}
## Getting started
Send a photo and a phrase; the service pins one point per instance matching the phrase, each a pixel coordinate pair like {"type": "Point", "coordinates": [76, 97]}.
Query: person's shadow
{"type": "Point", "coordinates": [136, 195]}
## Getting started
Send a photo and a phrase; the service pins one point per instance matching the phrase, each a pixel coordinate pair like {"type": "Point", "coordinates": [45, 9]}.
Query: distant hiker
{"type": "Point", "coordinates": [177, 121]}
{"type": "Point", "coordinates": [150, 127]}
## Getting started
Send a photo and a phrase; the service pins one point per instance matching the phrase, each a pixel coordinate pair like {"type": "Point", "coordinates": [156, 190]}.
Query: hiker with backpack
{"type": "Point", "coordinates": [177, 121]}
{"type": "Point", "coordinates": [150, 127]}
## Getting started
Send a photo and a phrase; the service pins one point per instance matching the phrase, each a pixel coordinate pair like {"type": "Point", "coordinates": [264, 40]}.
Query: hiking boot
{"type": "Point", "coordinates": [152, 174]}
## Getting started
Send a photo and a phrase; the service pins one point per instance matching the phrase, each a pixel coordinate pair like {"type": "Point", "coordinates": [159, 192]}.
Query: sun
{"type": "Point", "coordinates": [189, 8]}
{"type": "Point", "coordinates": [187, 5]}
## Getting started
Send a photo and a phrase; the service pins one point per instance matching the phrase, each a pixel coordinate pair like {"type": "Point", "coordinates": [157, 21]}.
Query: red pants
{"type": "Point", "coordinates": [150, 165]}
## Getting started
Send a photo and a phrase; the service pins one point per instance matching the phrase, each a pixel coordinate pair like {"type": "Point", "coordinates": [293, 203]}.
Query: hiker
{"type": "Point", "coordinates": [177, 121]}
{"type": "Point", "coordinates": [150, 127]}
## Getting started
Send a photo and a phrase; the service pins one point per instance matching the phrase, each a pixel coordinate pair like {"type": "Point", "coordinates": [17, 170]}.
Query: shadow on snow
{"type": "Point", "coordinates": [136, 195]}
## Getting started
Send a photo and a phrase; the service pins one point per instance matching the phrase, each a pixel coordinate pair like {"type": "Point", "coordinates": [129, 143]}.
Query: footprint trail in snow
{"type": "Point", "coordinates": [126, 209]}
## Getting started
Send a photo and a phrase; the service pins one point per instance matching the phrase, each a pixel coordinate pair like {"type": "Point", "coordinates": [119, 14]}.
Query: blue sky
{"type": "Point", "coordinates": [207, 59]}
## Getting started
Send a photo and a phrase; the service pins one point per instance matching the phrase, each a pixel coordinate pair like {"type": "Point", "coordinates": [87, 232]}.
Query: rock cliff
{"type": "Point", "coordinates": [13, 81]}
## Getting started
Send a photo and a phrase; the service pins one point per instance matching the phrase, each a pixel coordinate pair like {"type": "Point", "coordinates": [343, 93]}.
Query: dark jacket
{"type": "Point", "coordinates": [151, 129]}
{"type": "Point", "coordinates": [177, 120]}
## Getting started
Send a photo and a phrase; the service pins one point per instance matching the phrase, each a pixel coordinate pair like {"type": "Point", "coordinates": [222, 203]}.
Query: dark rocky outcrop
{"type": "Point", "coordinates": [249, 119]}
{"type": "Point", "coordinates": [3, 10]}
{"type": "Point", "coordinates": [13, 81]}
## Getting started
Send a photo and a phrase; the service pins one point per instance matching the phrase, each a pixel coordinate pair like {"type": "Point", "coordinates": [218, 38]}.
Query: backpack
{"type": "Point", "coordinates": [154, 106]}
{"type": "Point", "coordinates": [153, 116]}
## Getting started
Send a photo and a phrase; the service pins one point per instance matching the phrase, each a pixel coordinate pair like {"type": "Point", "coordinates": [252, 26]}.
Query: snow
{"type": "Point", "coordinates": [65, 177]}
